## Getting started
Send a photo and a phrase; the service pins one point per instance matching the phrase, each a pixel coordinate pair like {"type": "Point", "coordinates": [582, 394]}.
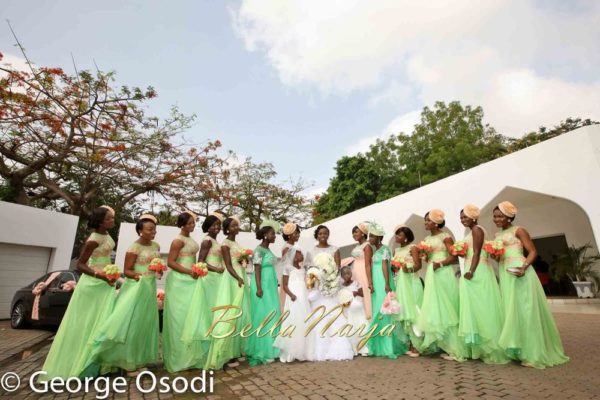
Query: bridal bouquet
{"type": "Point", "coordinates": [200, 269]}
{"type": "Point", "coordinates": [112, 272]}
{"type": "Point", "coordinates": [494, 247]}
{"type": "Point", "coordinates": [329, 274]}
{"type": "Point", "coordinates": [459, 248]}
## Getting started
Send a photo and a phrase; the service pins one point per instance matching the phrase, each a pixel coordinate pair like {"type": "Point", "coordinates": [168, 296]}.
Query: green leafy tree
{"type": "Point", "coordinates": [356, 184]}
{"type": "Point", "coordinates": [544, 133]}
{"type": "Point", "coordinates": [449, 139]}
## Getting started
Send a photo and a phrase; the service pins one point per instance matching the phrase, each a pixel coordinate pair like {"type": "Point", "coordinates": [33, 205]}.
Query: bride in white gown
{"type": "Point", "coordinates": [323, 346]}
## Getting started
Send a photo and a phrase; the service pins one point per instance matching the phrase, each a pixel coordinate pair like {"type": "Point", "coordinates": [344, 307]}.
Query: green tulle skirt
{"type": "Point", "coordinates": [385, 341]}
{"type": "Point", "coordinates": [178, 354]}
{"type": "Point", "coordinates": [529, 333]}
{"type": "Point", "coordinates": [481, 316]}
{"type": "Point", "coordinates": [196, 328]}
{"type": "Point", "coordinates": [259, 345]}
{"type": "Point", "coordinates": [90, 304]}
{"type": "Point", "coordinates": [439, 317]}
{"type": "Point", "coordinates": [226, 343]}
{"type": "Point", "coordinates": [409, 294]}
{"type": "Point", "coordinates": [128, 338]}
{"type": "Point", "coordinates": [212, 284]}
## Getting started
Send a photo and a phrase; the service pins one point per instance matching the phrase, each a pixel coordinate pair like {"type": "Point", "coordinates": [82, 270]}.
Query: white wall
{"type": "Point", "coordinates": [31, 226]}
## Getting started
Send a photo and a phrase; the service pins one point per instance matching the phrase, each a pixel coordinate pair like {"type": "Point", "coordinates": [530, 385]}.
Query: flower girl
{"type": "Point", "coordinates": [355, 311]}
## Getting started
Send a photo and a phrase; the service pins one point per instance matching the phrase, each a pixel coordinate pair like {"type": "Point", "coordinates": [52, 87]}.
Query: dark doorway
{"type": "Point", "coordinates": [548, 249]}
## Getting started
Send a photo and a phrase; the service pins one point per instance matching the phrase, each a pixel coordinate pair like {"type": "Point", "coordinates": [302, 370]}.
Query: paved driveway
{"type": "Point", "coordinates": [376, 378]}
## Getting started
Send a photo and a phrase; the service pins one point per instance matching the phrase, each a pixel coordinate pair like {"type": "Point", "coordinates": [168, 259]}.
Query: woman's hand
{"type": "Point", "coordinates": [241, 282]}
{"type": "Point", "coordinates": [522, 271]}
{"type": "Point", "coordinates": [388, 288]}
{"type": "Point", "coordinates": [293, 297]}
{"type": "Point", "coordinates": [405, 269]}
{"type": "Point", "coordinates": [193, 274]}
{"type": "Point", "coordinates": [259, 293]}
{"type": "Point", "coordinates": [468, 275]}
{"type": "Point", "coordinates": [371, 287]}
{"type": "Point", "coordinates": [436, 265]}
{"type": "Point", "coordinates": [102, 275]}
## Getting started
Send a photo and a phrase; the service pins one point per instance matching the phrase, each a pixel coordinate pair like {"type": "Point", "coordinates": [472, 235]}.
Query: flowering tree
{"type": "Point", "coordinates": [73, 139]}
{"type": "Point", "coordinates": [256, 195]}
{"type": "Point", "coordinates": [250, 190]}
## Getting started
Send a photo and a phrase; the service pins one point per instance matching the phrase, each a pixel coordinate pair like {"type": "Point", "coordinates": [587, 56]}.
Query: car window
{"type": "Point", "coordinates": [70, 276]}
{"type": "Point", "coordinates": [58, 281]}
{"type": "Point", "coordinates": [62, 279]}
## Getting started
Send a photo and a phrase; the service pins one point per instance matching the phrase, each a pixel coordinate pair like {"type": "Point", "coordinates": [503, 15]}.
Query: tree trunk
{"type": "Point", "coordinates": [18, 190]}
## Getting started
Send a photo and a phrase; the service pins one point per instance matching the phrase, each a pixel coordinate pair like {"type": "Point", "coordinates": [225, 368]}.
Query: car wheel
{"type": "Point", "coordinates": [18, 317]}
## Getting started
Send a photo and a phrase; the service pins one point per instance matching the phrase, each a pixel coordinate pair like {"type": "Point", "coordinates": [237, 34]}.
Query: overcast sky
{"type": "Point", "coordinates": [302, 83]}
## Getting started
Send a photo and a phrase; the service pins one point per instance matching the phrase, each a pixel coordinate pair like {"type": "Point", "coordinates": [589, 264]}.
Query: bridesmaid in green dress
{"type": "Point", "coordinates": [181, 282]}
{"type": "Point", "coordinates": [439, 315]}
{"type": "Point", "coordinates": [128, 338]}
{"type": "Point", "coordinates": [481, 314]}
{"type": "Point", "coordinates": [90, 304]}
{"type": "Point", "coordinates": [409, 289]}
{"type": "Point", "coordinates": [210, 253]}
{"type": "Point", "coordinates": [264, 298]}
{"type": "Point", "coordinates": [381, 283]}
{"type": "Point", "coordinates": [233, 292]}
{"type": "Point", "coordinates": [529, 333]}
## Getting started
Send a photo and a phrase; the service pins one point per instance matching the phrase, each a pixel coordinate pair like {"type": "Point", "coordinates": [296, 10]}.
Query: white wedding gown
{"type": "Point", "coordinates": [328, 347]}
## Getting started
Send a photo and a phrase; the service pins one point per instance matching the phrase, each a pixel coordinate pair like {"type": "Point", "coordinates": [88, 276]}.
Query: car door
{"type": "Point", "coordinates": [58, 298]}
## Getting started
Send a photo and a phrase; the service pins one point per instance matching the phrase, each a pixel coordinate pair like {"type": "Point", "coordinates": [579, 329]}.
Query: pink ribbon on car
{"type": "Point", "coordinates": [37, 292]}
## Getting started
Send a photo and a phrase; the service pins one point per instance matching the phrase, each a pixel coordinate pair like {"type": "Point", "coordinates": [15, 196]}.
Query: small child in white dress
{"type": "Point", "coordinates": [356, 311]}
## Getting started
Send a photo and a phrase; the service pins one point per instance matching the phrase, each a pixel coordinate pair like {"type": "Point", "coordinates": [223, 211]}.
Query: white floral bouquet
{"type": "Point", "coordinates": [329, 274]}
